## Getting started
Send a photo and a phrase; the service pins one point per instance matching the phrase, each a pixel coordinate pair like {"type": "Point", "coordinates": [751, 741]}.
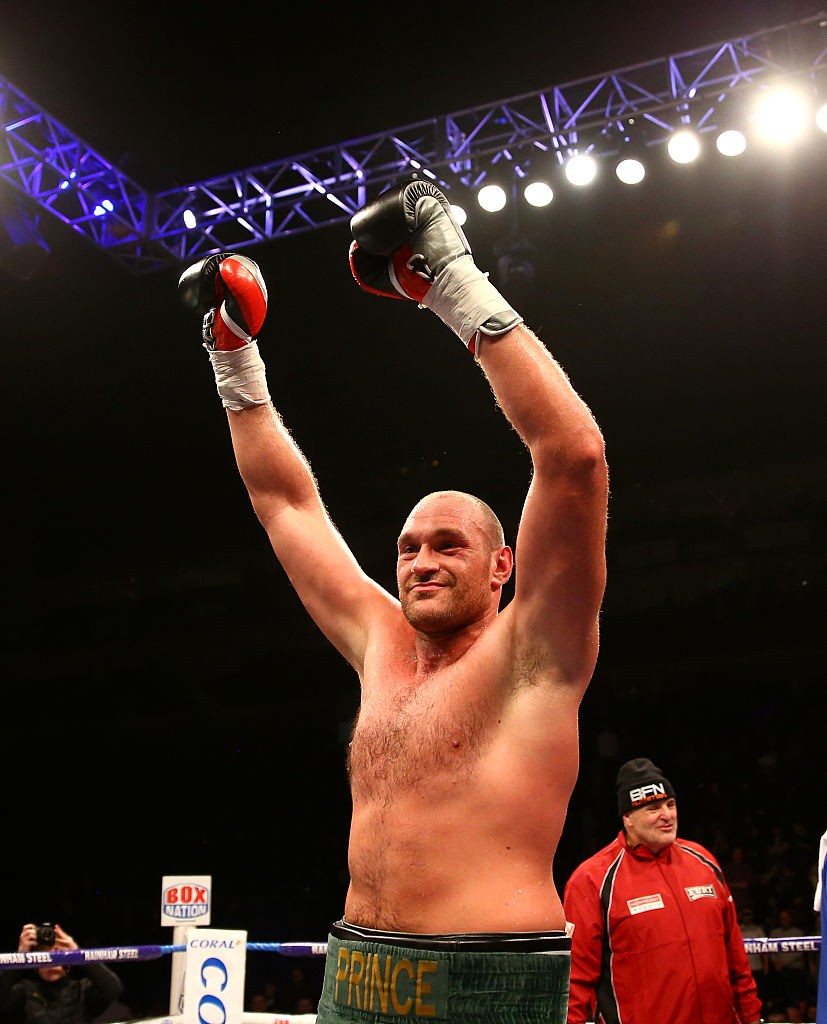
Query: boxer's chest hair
{"type": "Point", "coordinates": [406, 734]}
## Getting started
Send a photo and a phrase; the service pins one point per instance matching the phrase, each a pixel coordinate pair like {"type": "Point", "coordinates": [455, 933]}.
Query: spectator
{"type": "Point", "coordinates": [739, 876]}
{"type": "Point", "coordinates": [55, 994]}
{"type": "Point", "coordinates": [788, 971]}
{"type": "Point", "coordinates": [779, 846]}
{"type": "Point", "coordinates": [299, 988]}
{"type": "Point", "coordinates": [757, 961]}
{"type": "Point", "coordinates": [270, 997]}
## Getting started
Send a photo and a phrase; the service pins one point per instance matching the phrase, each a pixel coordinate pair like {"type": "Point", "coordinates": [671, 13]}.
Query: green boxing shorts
{"type": "Point", "coordinates": [375, 977]}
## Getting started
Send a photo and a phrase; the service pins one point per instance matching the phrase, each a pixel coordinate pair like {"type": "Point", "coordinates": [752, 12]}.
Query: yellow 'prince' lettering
{"type": "Point", "coordinates": [381, 984]}
{"type": "Point", "coordinates": [356, 958]}
{"type": "Point", "coordinates": [368, 975]}
{"type": "Point", "coordinates": [423, 988]}
{"type": "Point", "coordinates": [341, 970]}
{"type": "Point", "coordinates": [373, 978]}
{"type": "Point", "coordinates": [401, 1008]}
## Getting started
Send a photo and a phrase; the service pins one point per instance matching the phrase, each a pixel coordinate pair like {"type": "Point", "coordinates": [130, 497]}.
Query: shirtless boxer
{"type": "Point", "coordinates": [465, 749]}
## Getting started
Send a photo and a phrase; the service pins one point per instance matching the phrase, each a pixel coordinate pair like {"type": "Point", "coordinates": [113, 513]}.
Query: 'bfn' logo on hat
{"type": "Point", "coordinates": [645, 794]}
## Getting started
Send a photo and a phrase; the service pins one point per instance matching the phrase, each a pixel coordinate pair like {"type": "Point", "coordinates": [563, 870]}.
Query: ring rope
{"type": "Point", "coordinates": [41, 958]}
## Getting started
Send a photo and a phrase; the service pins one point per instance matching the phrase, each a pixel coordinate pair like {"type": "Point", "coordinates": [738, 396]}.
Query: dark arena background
{"type": "Point", "coordinates": [169, 707]}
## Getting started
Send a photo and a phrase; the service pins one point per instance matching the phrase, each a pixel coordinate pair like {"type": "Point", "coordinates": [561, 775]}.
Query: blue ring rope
{"type": "Point", "coordinates": [127, 954]}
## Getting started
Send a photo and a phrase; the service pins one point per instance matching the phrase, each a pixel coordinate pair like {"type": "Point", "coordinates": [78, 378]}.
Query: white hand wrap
{"type": "Point", "coordinates": [464, 299]}
{"type": "Point", "coordinates": [240, 377]}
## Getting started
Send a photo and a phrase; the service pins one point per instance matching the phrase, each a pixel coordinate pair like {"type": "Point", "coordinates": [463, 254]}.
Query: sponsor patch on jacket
{"type": "Point", "coordinates": [697, 892]}
{"type": "Point", "coordinates": [643, 903]}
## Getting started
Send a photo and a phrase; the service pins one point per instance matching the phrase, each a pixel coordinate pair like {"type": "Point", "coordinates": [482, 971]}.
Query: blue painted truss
{"type": "Point", "coordinates": [702, 88]}
{"type": "Point", "coordinates": [68, 179]}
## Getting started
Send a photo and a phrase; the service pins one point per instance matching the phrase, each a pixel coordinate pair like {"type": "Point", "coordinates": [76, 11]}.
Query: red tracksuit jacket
{"type": "Point", "coordinates": [656, 940]}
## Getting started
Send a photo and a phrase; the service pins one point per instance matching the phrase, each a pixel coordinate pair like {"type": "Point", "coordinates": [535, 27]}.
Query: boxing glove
{"type": "Point", "coordinates": [230, 293]}
{"type": "Point", "coordinates": [407, 245]}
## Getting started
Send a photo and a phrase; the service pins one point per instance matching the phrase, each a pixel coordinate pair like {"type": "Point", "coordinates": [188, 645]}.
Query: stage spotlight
{"type": "Point", "coordinates": [782, 116]}
{"type": "Point", "coordinates": [581, 170]}
{"type": "Point", "coordinates": [189, 219]}
{"type": "Point", "coordinates": [731, 142]}
{"type": "Point", "coordinates": [684, 147]}
{"type": "Point", "coordinates": [630, 171]}
{"type": "Point", "coordinates": [538, 193]}
{"type": "Point", "coordinates": [460, 216]}
{"type": "Point", "coordinates": [491, 198]}
{"type": "Point", "coordinates": [821, 118]}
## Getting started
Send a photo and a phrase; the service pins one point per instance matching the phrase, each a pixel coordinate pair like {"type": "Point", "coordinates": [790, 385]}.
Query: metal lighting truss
{"type": "Point", "coordinates": [67, 178]}
{"type": "Point", "coordinates": [61, 173]}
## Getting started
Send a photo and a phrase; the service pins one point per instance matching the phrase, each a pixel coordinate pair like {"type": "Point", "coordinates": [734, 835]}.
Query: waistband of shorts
{"type": "Point", "coordinates": [483, 942]}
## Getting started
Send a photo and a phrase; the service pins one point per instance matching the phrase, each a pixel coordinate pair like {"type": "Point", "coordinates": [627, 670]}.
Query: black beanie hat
{"type": "Point", "coordinates": [639, 782]}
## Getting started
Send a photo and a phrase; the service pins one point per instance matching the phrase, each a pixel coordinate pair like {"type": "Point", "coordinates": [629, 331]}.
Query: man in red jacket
{"type": "Point", "coordinates": [656, 938]}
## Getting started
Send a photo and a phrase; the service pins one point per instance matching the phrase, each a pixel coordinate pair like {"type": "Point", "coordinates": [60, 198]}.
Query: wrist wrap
{"type": "Point", "coordinates": [464, 299]}
{"type": "Point", "coordinates": [240, 377]}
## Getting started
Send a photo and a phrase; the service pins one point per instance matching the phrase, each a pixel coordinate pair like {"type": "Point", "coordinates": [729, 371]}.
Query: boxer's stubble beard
{"type": "Point", "coordinates": [454, 606]}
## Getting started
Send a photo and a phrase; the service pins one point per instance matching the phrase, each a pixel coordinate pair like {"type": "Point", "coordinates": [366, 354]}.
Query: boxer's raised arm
{"type": "Point", "coordinates": [342, 600]}
{"type": "Point", "coordinates": [408, 245]}
{"type": "Point", "coordinates": [560, 551]}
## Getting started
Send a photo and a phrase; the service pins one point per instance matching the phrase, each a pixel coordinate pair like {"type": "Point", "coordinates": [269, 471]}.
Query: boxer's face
{"type": "Point", "coordinates": [655, 825]}
{"type": "Point", "coordinates": [446, 569]}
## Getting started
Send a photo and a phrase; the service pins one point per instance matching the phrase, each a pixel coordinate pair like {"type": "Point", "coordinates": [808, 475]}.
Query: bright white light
{"type": "Point", "coordinates": [630, 171]}
{"type": "Point", "coordinates": [581, 170]}
{"type": "Point", "coordinates": [821, 118]}
{"type": "Point", "coordinates": [731, 143]}
{"type": "Point", "coordinates": [460, 216]}
{"type": "Point", "coordinates": [189, 219]}
{"type": "Point", "coordinates": [538, 193]}
{"type": "Point", "coordinates": [99, 211]}
{"type": "Point", "coordinates": [782, 116]}
{"type": "Point", "coordinates": [684, 147]}
{"type": "Point", "coordinates": [491, 198]}
{"type": "Point", "coordinates": [107, 205]}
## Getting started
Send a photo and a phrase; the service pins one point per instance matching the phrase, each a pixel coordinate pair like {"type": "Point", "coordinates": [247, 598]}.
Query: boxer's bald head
{"type": "Point", "coordinates": [452, 562]}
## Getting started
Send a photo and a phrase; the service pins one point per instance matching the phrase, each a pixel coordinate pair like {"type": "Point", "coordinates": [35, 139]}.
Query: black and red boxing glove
{"type": "Point", "coordinates": [401, 243]}
{"type": "Point", "coordinates": [407, 245]}
{"type": "Point", "coordinates": [230, 293]}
